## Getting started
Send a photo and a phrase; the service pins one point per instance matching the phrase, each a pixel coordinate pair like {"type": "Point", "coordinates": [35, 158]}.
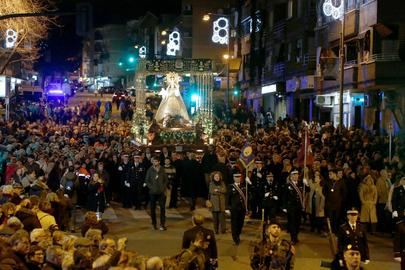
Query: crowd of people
{"type": "Point", "coordinates": [57, 160]}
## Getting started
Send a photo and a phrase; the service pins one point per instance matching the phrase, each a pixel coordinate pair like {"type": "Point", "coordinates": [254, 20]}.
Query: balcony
{"type": "Point", "coordinates": [381, 70]}
{"type": "Point", "coordinates": [279, 30]}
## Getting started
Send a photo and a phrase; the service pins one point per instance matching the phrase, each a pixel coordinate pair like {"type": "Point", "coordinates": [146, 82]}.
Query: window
{"type": "Point", "coordinates": [289, 49]}
{"type": "Point", "coordinates": [298, 53]}
{"type": "Point", "coordinates": [290, 9]}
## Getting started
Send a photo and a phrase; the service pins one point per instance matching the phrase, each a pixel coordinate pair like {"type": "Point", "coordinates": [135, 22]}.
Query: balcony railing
{"type": "Point", "coordinates": [279, 69]}
{"type": "Point", "coordinates": [384, 57]}
{"type": "Point", "coordinates": [308, 59]}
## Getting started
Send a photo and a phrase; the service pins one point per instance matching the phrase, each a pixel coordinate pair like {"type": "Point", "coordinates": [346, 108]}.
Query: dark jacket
{"type": "Point", "coordinates": [188, 237]}
{"type": "Point", "coordinates": [156, 181]}
{"type": "Point", "coordinates": [12, 261]}
{"type": "Point", "coordinates": [346, 236]}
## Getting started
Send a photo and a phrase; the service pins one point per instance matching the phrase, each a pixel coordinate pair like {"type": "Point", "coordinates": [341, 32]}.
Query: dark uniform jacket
{"type": "Point", "coordinates": [236, 202]}
{"type": "Point", "coordinates": [272, 190]}
{"type": "Point", "coordinates": [293, 198]}
{"type": "Point", "coordinates": [276, 255]}
{"type": "Point", "coordinates": [188, 237]}
{"type": "Point", "coordinates": [398, 200]}
{"type": "Point", "coordinates": [257, 178]}
{"type": "Point", "coordinates": [126, 175]}
{"type": "Point", "coordinates": [346, 236]}
{"type": "Point", "coordinates": [138, 174]}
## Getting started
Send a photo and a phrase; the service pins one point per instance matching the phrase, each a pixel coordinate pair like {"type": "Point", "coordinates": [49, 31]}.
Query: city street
{"type": "Point", "coordinates": [312, 249]}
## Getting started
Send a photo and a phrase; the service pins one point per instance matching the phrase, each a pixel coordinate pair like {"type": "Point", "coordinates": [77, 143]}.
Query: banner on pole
{"type": "Point", "coordinates": [246, 156]}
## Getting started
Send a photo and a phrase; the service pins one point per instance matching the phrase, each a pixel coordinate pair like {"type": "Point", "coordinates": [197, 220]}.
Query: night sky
{"type": "Point", "coordinates": [63, 43]}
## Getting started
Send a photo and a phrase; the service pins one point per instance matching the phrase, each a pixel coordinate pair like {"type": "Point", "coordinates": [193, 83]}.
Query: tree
{"type": "Point", "coordinates": [30, 30]}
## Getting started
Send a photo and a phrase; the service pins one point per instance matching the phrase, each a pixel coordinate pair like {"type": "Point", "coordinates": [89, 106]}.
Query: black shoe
{"type": "Point", "coordinates": [155, 227]}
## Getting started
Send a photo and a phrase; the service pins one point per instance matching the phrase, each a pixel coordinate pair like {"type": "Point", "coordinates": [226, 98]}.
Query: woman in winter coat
{"type": "Point", "coordinates": [368, 199]}
{"type": "Point", "coordinates": [217, 191]}
{"type": "Point", "coordinates": [315, 205]}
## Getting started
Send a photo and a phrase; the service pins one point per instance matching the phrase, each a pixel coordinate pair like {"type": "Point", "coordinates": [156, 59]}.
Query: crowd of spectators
{"type": "Point", "coordinates": [53, 160]}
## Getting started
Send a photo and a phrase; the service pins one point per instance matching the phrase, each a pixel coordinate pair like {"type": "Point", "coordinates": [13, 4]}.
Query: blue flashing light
{"type": "Point", "coordinates": [235, 92]}
{"type": "Point", "coordinates": [131, 59]}
{"type": "Point", "coordinates": [120, 64]}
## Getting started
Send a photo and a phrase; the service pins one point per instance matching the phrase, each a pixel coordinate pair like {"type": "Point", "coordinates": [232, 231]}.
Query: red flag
{"type": "Point", "coordinates": [305, 152]}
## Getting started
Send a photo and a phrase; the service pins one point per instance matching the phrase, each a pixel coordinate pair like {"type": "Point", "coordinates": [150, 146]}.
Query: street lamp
{"type": "Point", "coordinates": [336, 9]}
{"type": "Point", "coordinates": [221, 35]}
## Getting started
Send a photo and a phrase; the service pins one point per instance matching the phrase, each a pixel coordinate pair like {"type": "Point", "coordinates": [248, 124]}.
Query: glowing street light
{"type": "Point", "coordinates": [164, 33]}
{"type": "Point", "coordinates": [225, 56]}
{"type": "Point", "coordinates": [206, 17]}
{"type": "Point", "coordinates": [131, 59]}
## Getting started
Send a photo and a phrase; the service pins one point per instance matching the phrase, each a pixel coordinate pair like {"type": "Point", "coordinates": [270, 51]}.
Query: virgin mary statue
{"type": "Point", "coordinates": [172, 104]}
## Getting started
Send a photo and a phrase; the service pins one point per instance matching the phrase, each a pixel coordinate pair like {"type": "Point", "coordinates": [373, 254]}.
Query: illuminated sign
{"type": "Point", "coordinates": [272, 88]}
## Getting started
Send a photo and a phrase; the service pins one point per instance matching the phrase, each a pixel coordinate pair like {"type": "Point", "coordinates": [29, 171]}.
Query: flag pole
{"type": "Point", "coordinates": [246, 185]}
{"type": "Point", "coordinates": [305, 161]}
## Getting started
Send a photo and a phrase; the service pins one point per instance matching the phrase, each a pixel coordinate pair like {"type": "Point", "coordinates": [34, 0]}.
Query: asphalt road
{"type": "Point", "coordinates": [312, 249]}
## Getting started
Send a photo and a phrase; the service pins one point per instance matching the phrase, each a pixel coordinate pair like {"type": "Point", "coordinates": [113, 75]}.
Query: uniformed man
{"type": "Point", "coordinates": [269, 197]}
{"type": "Point", "coordinates": [139, 172]}
{"type": "Point", "coordinates": [352, 233]}
{"type": "Point", "coordinates": [351, 258]}
{"type": "Point", "coordinates": [398, 200]}
{"type": "Point", "coordinates": [125, 170]}
{"type": "Point", "coordinates": [257, 179]}
{"type": "Point", "coordinates": [273, 252]}
{"type": "Point", "coordinates": [294, 203]}
{"type": "Point", "coordinates": [236, 203]}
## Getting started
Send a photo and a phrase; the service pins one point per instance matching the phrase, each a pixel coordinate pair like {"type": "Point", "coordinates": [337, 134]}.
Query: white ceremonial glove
{"type": "Point", "coordinates": [285, 210]}
{"type": "Point", "coordinates": [305, 181]}
{"type": "Point", "coordinates": [259, 175]}
{"type": "Point", "coordinates": [275, 197]}
{"type": "Point", "coordinates": [120, 168]}
{"type": "Point", "coordinates": [366, 261]}
{"type": "Point", "coordinates": [394, 214]}
{"type": "Point", "coordinates": [228, 212]}
{"type": "Point", "coordinates": [267, 194]}
{"type": "Point", "coordinates": [144, 184]}
{"type": "Point", "coordinates": [127, 184]}
{"type": "Point", "coordinates": [248, 180]}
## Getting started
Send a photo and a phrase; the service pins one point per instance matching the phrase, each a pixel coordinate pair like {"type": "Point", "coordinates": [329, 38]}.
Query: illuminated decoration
{"type": "Point", "coordinates": [142, 52]}
{"type": "Point", "coordinates": [221, 31]}
{"type": "Point", "coordinates": [333, 8]}
{"type": "Point", "coordinates": [174, 43]}
{"type": "Point", "coordinates": [11, 38]}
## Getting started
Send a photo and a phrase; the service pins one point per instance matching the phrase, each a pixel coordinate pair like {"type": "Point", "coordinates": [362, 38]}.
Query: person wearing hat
{"type": "Point", "coordinates": [294, 203]}
{"type": "Point", "coordinates": [273, 252]}
{"type": "Point", "coordinates": [139, 172]}
{"type": "Point", "coordinates": [352, 233]}
{"type": "Point", "coordinates": [351, 258]}
{"type": "Point", "coordinates": [237, 204]}
{"type": "Point", "coordinates": [257, 179]}
{"type": "Point", "coordinates": [269, 196]}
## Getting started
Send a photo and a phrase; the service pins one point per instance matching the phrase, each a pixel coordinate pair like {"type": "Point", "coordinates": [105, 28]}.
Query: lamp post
{"type": "Point", "coordinates": [221, 35]}
{"type": "Point", "coordinates": [336, 9]}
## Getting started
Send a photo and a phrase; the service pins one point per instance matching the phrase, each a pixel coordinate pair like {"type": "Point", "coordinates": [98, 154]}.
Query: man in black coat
{"type": "Point", "coordinates": [257, 178]}
{"type": "Point", "coordinates": [398, 200]}
{"type": "Point", "coordinates": [352, 233]}
{"type": "Point", "coordinates": [211, 252]}
{"type": "Point", "coordinates": [126, 173]}
{"type": "Point", "coordinates": [138, 174]}
{"type": "Point", "coordinates": [236, 203]}
{"type": "Point", "coordinates": [293, 201]}
{"type": "Point", "coordinates": [334, 191]}
{"type": "Point", "coordinates": [269, 196]}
